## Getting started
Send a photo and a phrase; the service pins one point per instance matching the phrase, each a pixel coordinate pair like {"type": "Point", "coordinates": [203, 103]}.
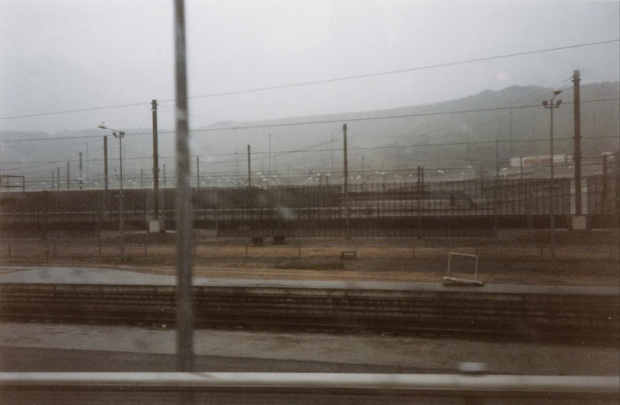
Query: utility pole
{"type": "Point", "coordinates": [362, 171]}
{"type": "Point", "coordinates": [68, 176]}
{"type": "Point", "coordinates": [420, 192]}
{"type": "Point", "coordinates": [141, 178]}
{"type": "Point", "coordinates": [80, 179]}
{"type": "Point", "coordinates": [164, 175]}
{"type": "Point", "coordinates": [332, 147]}
{"type": "Point", "coordinates": [198, 172]}
{"type": "Point", "coordinates": [577, 140]}
{"type": "Point", "coordinates": [58, 177]}
{"type": "Point", "coordinates": [249, 169]}
{"type": "Point", "coordinates": [346, 181]}
{"type": "Point", "coordinates": [269, 154]}
{"type": "Point", "coordinates": [495, 191]}
{"type": "Point", "coordinates": [604, 193]}
{"type": "Point", "coordinates": [155, 162]}
{"type": "Point", "coordinates": [237, 175]}
{"type": "Point", "coordinates": [496, 159]}
{"type": "Point", "coordinates": [87, 162]}
{"type": "Point", "coordinates": [510, 148]}
{"type": "Point", "coordinates": [185, 313]}
{"type": "Point", "coordinates": [551, 106]}
{"type": "Point", "coordinates": [121, 207]}
{"type": "Point", "coordinates": [105, 161]}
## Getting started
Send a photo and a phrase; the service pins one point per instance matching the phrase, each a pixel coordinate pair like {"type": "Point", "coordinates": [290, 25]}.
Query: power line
{"type": "Point", "coordinates": [340, 120]}
{"type": "Point", "coordinates": [310, 83]}
{"type": "Point", "coordinates": [391, 72]}
{"type": "Point", "coordinates": [306, 150]}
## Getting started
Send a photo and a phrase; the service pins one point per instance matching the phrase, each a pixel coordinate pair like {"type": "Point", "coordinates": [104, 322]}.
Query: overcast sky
{"type": "Point", "coordinates": [65, 55]}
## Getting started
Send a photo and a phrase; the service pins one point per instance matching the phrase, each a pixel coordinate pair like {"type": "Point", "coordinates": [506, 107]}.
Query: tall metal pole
{"type": "Point", "coordinates": [105, 162]}
{"type": "Point", "coordinates": [80, 166]}
{"type": "Point", "coordinates": [68, 176]}
{"type": "Point", "coordinates": [495, 191]}
{"type": "Point", "coordinates": [269, 154]}
{"type": "Point", "coordinates": [86, 162]}
{"type": "Point", "coordinates": [185, 316]}
{"type": "Point", "coordinates": [155, 162]}
{"type": "Point", "coordinates": [604, 179]}
{"type": "Point", "coordinates": [121, 207]}
{"type": "Point", "coordinates": [58, 177]}
{"type": "Point", "coordinates": [552, 195]}
{"type": "Point", "coordinates": [551, 106]}
{"type": "Point", "coordinates": [198, 172]}
{"type": "Point", "coordinates": [249, 168]}
{"type": "Point", "coordinates": [346, 181]}
{"type": "Point", "coordinates": [362, 171]}
{"type": "Point", "coordinates": [510, 148]}
{"type": "Point", "coordinates": [332, 150]}
{"type": "Point", "coordinates": [577, 140]}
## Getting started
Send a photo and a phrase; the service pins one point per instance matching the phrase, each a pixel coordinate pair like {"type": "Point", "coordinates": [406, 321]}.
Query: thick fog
{"type": "Point", "coordinates": [70, 55]}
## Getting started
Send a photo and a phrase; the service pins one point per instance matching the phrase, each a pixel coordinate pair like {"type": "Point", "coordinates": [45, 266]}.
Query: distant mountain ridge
{"type": "Point", "coordinates": [466, 129]}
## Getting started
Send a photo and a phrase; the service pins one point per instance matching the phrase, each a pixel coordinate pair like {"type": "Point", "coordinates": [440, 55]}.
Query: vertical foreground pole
{"type": "Point", "coordinates": [184, 318]}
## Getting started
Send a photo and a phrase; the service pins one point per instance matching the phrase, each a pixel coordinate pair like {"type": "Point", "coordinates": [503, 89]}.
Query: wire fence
{"type": "Point", "coordinates": [456, 208]}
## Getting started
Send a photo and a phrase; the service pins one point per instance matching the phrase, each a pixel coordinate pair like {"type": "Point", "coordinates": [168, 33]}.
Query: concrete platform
{"type": "Point", "coordinates": [41, 346]}
{"type": "Point", "coordinates": [71, 275]}
{"type": "Point", "coordinates": [268, 351]}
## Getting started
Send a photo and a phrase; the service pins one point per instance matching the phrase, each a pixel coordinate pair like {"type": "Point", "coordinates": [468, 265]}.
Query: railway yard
{"type": "Point", "coordinates": [315, 305]}
{"type": "Point", "coordinates": [582, 259]}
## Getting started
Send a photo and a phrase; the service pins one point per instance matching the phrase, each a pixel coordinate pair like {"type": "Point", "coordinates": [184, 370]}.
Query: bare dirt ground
{"type": "Point", "coordinates": [582, 258]}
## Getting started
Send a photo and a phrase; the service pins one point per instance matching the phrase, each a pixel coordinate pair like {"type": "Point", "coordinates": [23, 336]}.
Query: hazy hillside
{"type": "Point", "coordinates": [465, 129]}
{"type": "Point", "coordinates": [513, 113]}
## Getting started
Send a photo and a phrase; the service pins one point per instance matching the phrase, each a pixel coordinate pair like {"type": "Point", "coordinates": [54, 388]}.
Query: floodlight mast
{"type": "Point", "coordinates": [119, 134]}
{"type": "Point", "coordinates": [551, 107]}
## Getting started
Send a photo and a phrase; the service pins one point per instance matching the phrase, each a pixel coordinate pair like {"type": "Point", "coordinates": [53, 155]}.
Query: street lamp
{"type": "Point", "coordinates": [119, 135]}
{"type": "Point", "coordinates": [551, 106]}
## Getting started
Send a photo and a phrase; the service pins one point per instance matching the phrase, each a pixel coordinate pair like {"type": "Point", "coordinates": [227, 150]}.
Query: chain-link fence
{"type": "Point", "coordinates": [457, 208]}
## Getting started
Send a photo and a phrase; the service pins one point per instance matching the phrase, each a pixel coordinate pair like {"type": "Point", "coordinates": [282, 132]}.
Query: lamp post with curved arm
{"type": "Point", "coordinates": [119, 134]}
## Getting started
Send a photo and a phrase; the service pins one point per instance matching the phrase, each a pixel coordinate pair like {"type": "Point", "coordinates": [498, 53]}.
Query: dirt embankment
{"type": "Point", "coordinates": [590, 258]}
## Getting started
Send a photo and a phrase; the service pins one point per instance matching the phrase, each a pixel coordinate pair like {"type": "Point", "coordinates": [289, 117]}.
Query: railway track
{"type": "Point", "coordinates": [562, 317]}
